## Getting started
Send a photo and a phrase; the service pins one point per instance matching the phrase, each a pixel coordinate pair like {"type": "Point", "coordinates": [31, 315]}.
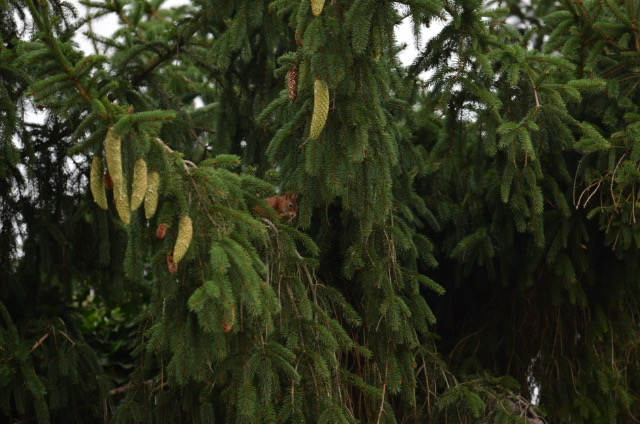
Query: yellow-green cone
{"type": "Point", "coordinates": [97, 183]}
{"type": "Point", "coordinates": [121, 198]}
{"type": "Point", "coordinates": [151, 196]}
{"type": "Point", "coordinates": [185, 233]}
{"type": "Point", "coordinates": [139, 185]}
{"type": "Point", "coordinates": [113, 150]}
{"type": "Point", "coordinates": [320, 108]}
{"type": "Point", "coordinates": [316, 7]}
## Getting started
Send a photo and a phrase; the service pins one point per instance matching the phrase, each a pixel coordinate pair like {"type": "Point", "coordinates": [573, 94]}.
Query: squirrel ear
{"type": "Point", "coordinates": [292, 196]}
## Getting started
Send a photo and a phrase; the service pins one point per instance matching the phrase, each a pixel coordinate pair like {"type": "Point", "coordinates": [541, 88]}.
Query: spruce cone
{"type": "Point", "coordinates": [139, 185]}
{"type": "Point", "coordinates": [171, 265]}
{"type": "Point", "coordinates": [185, 233]}
{"type": "Point", "coordinates": [320, 108]}
{"type": "Point", "coordinates": [121, 198]}
{"type": "Point", "coordinates": [108, 182]}
{"type": "Point", "coordinates": [161, 231]}
{"type": "Point", "coordinates": [316, 7]}
{"type": "Point", "coordinates": [293, 83]}
{"type": "Point", "coordinates": [97, 183]}
{"type": "Point", "coordinates": [113, 150]}
{"type": "Point", "coordinates": [151, 196]}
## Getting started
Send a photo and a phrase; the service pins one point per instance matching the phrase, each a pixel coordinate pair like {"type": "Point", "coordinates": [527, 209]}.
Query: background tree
{"type": "Point", "coordinates": [464, 244]}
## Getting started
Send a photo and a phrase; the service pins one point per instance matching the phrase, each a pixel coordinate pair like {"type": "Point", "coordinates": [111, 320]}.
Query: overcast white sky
{"type": "Point", "coordinates": [105, 26]}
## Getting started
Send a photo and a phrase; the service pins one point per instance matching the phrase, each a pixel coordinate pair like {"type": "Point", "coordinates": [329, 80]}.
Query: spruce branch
{"type": "Point", "coordinates": [594, 26]}
{"type": "Point", "coordinates": [169, 54]}
{"type": "Point", "coordinates": [120, 12]}
{"type": "Point", "coordinates": [187, 163]}
{"type": "Point", "coordinates": [45, 26]}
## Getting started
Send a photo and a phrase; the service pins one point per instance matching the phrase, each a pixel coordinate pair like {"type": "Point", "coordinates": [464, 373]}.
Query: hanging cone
{"type": "Point", "coordinates": [161, 231]}
{"type": "Point", "coordinates": [139, 185]}
{"type": "Point", "coordinates": [151, 196]}
{"type": "Point", "coordinates": [97, 183]}
{"type": "Point", "coordinates": [320, 108]}
{"type": "Point", "coordinates": [316, 7]}
{"type": "Point", "coordinates": [185, 233]}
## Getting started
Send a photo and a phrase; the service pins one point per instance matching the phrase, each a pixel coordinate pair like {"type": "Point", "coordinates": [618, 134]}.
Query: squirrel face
{"type": "Point", "coordinates": [286, 205]}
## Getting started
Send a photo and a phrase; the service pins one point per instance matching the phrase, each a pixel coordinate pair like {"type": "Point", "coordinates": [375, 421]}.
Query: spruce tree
{"type": "Point", "coordinates": [465, 245]}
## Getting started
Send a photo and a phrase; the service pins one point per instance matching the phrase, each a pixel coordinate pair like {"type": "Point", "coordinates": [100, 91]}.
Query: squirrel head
{"type": "Point", "coordinates": [289, 205]}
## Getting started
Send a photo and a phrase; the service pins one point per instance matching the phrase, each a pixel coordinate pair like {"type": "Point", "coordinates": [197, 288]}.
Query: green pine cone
{"type": "Point", "coordinates": [139, 185]}
{"type": "Point", "coordinates": [320, 108]}
{"type": "Point", "coordinates": [185, 233]}
{"type": "Point", "coordinates": [316, 7]}
{"type": "Point", "coordinates": [97, 183]}
{"type": "Point", "coordinates": [121, 198]}
{"type": "Point", "coordinates": [151, 195]}
{"type": "Point", "coordinates": [113, 150]}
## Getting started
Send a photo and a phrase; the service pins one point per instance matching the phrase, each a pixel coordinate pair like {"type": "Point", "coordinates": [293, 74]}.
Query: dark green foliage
{"type": "Point", "coordinates": [536, 202]}
{"type": "Point", "coordinates": [465, 247]}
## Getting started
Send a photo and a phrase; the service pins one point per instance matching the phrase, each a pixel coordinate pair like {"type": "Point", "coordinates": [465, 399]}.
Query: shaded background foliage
{"type": "Point", "coordinates": [466, 242]}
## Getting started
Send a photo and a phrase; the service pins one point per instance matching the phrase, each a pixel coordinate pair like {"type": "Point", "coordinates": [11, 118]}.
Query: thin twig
{"type": "Point", "coordinates": [384, 391]}
{"type": "Point", "coordinates": [595, 190]}
{"type": "Point", "coordinates": [535, 92]}
{"type": "Point", "coordinates": [128, 386]}
{"type": "Point", "coordinates": [40, 342]}
{"type": "Point", "coordinates": [613, 179]}
{"type": "Point", "coordinates": [187, 163]}
{"type": "Point", "coordinates": [67, 336]}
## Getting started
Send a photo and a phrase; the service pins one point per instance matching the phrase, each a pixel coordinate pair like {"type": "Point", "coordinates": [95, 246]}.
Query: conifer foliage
{"type": "Point", "coordinates": [465, 246]}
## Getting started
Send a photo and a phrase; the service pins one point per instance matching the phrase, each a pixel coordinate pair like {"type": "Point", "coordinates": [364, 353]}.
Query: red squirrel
{"type": "Point", "coordinates": [286, 205]}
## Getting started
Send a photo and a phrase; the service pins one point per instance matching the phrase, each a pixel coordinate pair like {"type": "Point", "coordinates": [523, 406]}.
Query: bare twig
{"type": "Point", "coordinates": [128, 386]}
{"type": "Point", "coordinates": [187, 163]}
{"type": "Point", "coordinates": [535, 92]}
{"type": "Point", "coordinates": [613, 179]}
{"type": "Point", "coordinates": [40, 342]}
{"type": "Point", "coordinates": [595, 190]}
